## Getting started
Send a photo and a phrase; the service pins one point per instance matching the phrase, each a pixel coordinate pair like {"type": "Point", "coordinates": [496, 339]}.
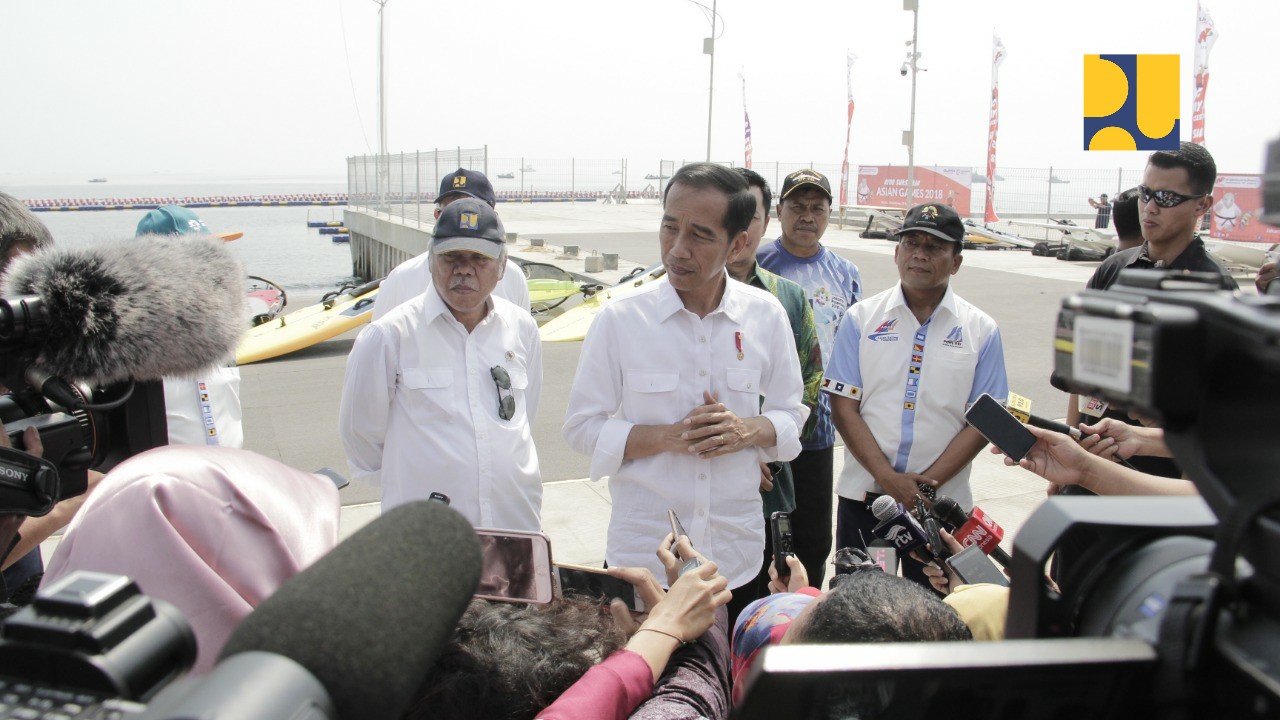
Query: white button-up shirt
{"type": "Point", "coordinates": [420, 411]}
{"type": "Point", "coordinates": [412, 277]}
{"type": "Point", "coordinates": [914, 382]}
{"type": "Point", "coordinates": [647, 361]}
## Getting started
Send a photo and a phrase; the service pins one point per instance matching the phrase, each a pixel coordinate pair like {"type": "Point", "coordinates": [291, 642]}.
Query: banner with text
{"type": "Point", "coordinates": [1237, 208]}
{"type": "Point", "coordinates": [886, 186]}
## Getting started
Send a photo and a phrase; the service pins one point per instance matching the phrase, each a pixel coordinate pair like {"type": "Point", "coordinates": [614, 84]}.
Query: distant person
{"type": "Point", "coordinates": [666, 399]}
{"type": "Point", "coordinates": [900, 385]}
{"type": "Point", "coordinates": [203, 410]}
{"type": "Point", "coordinates": [412, 277]}
{"type": "Point", "coordinates": [440, 393]}
{"type": "Point", "coordinates": [777, 488]}
{"type": "Point", "coordinates": [1128, 227]}
{"type": "Point", "coordinates": [1267, 273]}
{"type": "Point", "coordinates": [1104, 211]}
{"type": "Point", "coordinates": [832, 284]}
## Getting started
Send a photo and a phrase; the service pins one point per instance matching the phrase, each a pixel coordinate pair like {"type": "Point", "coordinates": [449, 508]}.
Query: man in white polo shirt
{"type": "Point", "coordinates": [906, 365]}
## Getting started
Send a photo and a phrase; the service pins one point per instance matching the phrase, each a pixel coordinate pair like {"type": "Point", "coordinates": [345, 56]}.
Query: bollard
{"type": "Point", "coordinates": [593, 263]}
{"type": "Point", "coordinates": [537, 242]}
{"type": "Point", "coordinates": [511, 238]}
{"type": "Point", "coordinates": [571, 250]}
{"type": "Point", "coordinates": [610, 261]}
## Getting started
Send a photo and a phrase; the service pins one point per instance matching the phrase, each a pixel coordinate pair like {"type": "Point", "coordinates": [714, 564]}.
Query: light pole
{"type": "Point", "coordinates": [384, 160]}
{"type": "Point", "coordinates": [710, 49]}
{"type": "Point", "coordinates": [909, 137]}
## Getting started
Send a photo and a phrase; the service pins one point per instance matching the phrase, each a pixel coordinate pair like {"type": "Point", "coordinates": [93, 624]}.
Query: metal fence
{"type": "Point", "coordinates": [401, 184]}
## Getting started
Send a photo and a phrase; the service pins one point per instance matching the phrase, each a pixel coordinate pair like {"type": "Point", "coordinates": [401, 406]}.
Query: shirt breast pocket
{"type": "Point", "coordinates": [650, 396]}
{"type": "Point", "coordinates": [427, 394]}
{"type": "Point", "coordinates": [743, 397]}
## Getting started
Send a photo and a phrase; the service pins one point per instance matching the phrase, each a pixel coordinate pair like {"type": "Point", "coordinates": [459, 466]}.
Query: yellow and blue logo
{"type": "Point", "coordinates": [470, 221]}
{"type": "Point", "coordinates": [1131, 102]}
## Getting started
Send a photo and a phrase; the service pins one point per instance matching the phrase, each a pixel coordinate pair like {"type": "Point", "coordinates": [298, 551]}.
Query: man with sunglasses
{"type": "Point", "coordinates": [906, 365]}
{"type": "Point", "coordinates": [440, 393]}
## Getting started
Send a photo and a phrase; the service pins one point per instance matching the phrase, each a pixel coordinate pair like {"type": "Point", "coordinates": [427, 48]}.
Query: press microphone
{"type": "Point", "coordinates": [974, 528]}
{"type": "Point", "coordinates": [883, 553]}
{"type": "Point", "coordinates": [1020, 407]}
{"type": "Point", "coordinates": [364, 624]}
{"type": "Point", "coordinates": [131, 309]}
{"type": "Point", "coordinates": [899, 527]}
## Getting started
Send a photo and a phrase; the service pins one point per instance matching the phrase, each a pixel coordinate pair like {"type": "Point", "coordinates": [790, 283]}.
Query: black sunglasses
{"type": "Point", "coordinates": [1164, 198]}
{"type": "Point", "coordinates": [506, 403]}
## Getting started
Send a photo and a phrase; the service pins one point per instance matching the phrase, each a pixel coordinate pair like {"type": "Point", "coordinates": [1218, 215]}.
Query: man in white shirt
{"type": "Point", "coordinates": [203, 409]}
{"type": "Point", "coordinates": [666, 399]}
{"type": "Point", "coordinates": [906, 365]}
{"type": "Point", "coordinates": [412, 277]}
{"type": "Point", "coordinates": [441, 393]}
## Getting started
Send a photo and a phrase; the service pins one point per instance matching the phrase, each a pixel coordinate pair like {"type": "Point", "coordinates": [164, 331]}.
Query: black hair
{"type": "Point", "coordinates": [755, 179]}
{"type": "Point", "coordinates": [742, 204]}
{"type": "Point", "coordinates": [20, 230]}
{"type": "Point", "coordinates": [1195, 159]}
{"type": "Point", "coordinates": [877, 607]}
{"type": "Point", "coordinates": [509, 661]}
{"type": "Point", "coordinates": [1124, 212]}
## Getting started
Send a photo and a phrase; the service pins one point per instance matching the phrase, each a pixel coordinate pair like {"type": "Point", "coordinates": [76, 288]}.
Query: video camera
{"type": "Point", "coordinates": [80, 427]}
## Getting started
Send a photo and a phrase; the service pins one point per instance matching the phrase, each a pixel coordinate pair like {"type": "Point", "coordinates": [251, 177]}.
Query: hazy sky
{"type": "Point", "coordinates": [260, 88]}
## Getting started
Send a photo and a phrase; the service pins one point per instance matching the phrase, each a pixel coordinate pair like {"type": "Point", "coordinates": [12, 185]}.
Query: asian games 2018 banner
{"type": "Point", "coordinates": [1236, 208]}
{"type": "Point", "coordinates": [886, 186]}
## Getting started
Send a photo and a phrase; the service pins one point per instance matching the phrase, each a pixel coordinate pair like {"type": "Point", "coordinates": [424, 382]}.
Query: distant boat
{"type": "Point", "coordinates": [97, 180]}
{"type": "Point", "coordinates": [651, 176]}
{"type": "Point", "coordinates": [507, 176]}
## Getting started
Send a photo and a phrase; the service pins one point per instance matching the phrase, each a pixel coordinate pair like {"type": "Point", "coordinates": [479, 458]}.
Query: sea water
{"type": "Point", "coordinates": [277, 244]}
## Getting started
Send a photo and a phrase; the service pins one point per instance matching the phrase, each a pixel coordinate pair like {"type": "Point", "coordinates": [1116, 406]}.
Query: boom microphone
{"type": "Point", "coordinates": [899, 527]}
{"type": "Point", "coordinates": [973, 528]}
{"type": "Point", "coordinates": [132, 309]}
{"type": "Point", "coordinates": [369, 619]}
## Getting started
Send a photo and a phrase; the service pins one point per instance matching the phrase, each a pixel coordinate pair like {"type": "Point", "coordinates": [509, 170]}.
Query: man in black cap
{"type": "Point", "coordinates": [440, 394]}
{"type": "Point", "coordinates": [906, 365]}
{"type": "Point", "coordinates": [832, 284]}
{"type": "Point", "coordinates": [413, 276]}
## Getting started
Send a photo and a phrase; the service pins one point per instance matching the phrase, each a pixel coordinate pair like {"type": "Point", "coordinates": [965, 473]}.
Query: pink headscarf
{"type": "Point", "coordinates": [212, 530]}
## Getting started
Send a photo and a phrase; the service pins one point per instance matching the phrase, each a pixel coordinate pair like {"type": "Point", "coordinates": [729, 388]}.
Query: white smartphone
{"type": "Point", "coordinates": [516, 566]}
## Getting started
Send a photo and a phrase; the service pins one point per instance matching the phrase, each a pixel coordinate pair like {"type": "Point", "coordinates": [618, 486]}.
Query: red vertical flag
{"type": "Point", "coordinates": [844, 167]}
{"type": "Point", "coordinates": [997, 57]}
{"type": "Point", "coordinates": [1206, 36]}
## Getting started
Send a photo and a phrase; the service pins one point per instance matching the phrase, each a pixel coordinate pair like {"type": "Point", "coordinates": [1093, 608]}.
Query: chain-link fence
{"type": "Point", "coordinates": [403, 184]}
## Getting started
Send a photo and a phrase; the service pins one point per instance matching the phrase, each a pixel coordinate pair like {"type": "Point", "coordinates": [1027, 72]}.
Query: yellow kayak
{"type": "Point", "coordinates": [542, 290]}
{"type": "Point", "coordinates": [332, 316]}
{"type": "Point", "coordinates": [574, 324]}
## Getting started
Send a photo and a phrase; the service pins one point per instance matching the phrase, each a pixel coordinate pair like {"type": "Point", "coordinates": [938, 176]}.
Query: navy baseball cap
{"type": "Point", "coordinates": [469, 224]}
{"type": "Point", "coordinates": [467, 182]}
{"type": "Point", "coordinates": [938, 220]}
{"type": "Point", "coordinates": [177, 220]}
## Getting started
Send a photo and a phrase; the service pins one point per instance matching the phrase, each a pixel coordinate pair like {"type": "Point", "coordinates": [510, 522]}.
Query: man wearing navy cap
{"type": "Point", "coordinates": [413, 276]}
{"type": "Point", "coordinates": [441, 392]}
{"type": "Point", "coordinates": [203, 410]}
{"type": "Point", "coordinates": [906, 365]}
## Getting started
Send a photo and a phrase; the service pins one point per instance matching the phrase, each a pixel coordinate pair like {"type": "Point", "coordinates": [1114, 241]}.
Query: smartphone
{"type": "Point", "coordinates": [1001, 429]}
{"type": "Point", "coordinates": [596, 585]}
{"type": "Point", "coordinates": [677, 530]}
{"type": "Point", "coordinates": [780, 530]}
{"type": "Point", "coordinates": [515, 566]}
{"type": "Point", "coordinates": [973, 566]}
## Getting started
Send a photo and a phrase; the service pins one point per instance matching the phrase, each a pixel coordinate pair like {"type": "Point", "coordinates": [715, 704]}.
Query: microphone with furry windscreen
{"type": "Point", "coordinates": [367, 621]}
{"type": "Point", "coordinates": [132, 309]}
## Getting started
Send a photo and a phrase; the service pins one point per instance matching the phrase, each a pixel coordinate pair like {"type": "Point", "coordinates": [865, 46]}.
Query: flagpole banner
{"type": "Point", "coordinates": [1206, 36]}
{"type": "Point", "coordinates": [997, 57]}
{"type": "Point", "coordinates": [746, 119]}
{"type": "Point", "coordinates": [1237, 209]}
{"type": "Point", "coordinates": [886, 186]}
{"type": "Point", "coordinates": [844, 167]}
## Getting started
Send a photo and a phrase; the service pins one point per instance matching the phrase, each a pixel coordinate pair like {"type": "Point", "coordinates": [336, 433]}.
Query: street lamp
{"type": "Point", "coordinates": [709, 48]}
{"type": "Point", "coordinates": [913, 57]}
